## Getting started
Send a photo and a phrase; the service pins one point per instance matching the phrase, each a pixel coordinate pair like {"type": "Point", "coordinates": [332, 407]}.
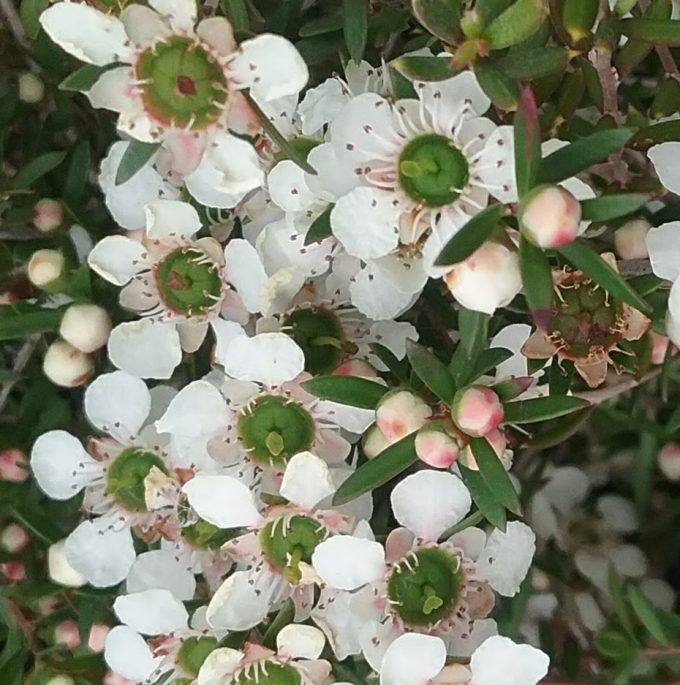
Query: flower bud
{"type": "Point", "coordinates": [355, 367]}
{"type": "Point", "coordinates": [47, 270]}
{"type": "Point", "coordinates": [660, 345]}
{"type": "Point", "coordinates": [58, 568]}
{"type": "Point", "coordinates": [86, 327]}
{"type": "Point", "coordinates": [66, 366]}
{"type": "Point", "coordinates": [13, 466]}
{"type": "Point", "coordinates": [61, 680]}
{"type": "Point", "coordinates": [489, 278]}
{"type": "Point", "coordinates": [14, 538]}
{"type": "Point", "coordinates": [477, 410]}
{"type": "Point", "coordinates": [47, 215]}
{"type": "Point", "coordinates": [551, 217]}
{"type": "Point", "coordinates": [31, 88]}
{"type": "Point", "coordinates": [669, 461]}
{"type": "Point", "coordinates": [629, 240]}
{"type": "Point", "coordinates": [400, 413]}
{"type": "Point", "coordinates": [374, 442]}
{"type": "Point", "coordinates": [497, 440]}
{"type": "Point", "coordinates": [96, 640]}
{"type": "Point", "coordinates": [14, 571]}
{"type": "Point", "coordinates": [66, 634]}
{"type": "Point", "coordinates": [436, 447]}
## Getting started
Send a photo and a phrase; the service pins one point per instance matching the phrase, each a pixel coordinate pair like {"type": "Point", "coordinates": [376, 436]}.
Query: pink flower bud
{"type": "Point", "coordinates": [14, 538]}
{"type": "Point", "coordinates": [374, 442]}
{"type": "Point", "coordinates": [551, 217]}
{"type": "Point", "coordinates": [436, 448]}
{"type": "Point", "coordinates": [14, 571]}
{"type": "Point", "coordinates": [477, 410]}
{"type": "Point", "coordinates": [66, 366]}
{"type": "Point", "coordinates": [629, 240]}
{"type": "Point", "coordinates": [401, 413]}
{"type": "Point", "coordinates": [66, 634]}
{"type": "Point", "coordinates": [13, 466]}
{"type": "Point", "coordinates": [86, 327]}
{"type": "Point", "coordinates": [96, 640]}
{"type": "Point", "coordinates": [660, 345]}
{"type": "Point", "coordinates": [497, 440]}
{"type": "Point", "coordinates": [47, 215]}
{"type": "Point", "coordinates": [355, 367]}
{"type": "Point", "coordinates": [669, 461]}
{"type": "Point", "coordinates": [48, 605]}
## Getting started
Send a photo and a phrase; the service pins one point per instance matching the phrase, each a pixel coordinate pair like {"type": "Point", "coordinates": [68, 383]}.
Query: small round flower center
{"type": "Point", "coordinates": [126, 475]}
{"type": "Point", "coordinates": [204, 535]}
{"type": "Point", "coordinates": [274, 428]}
{"type": "Point", "coordinates": [319, 334]}
{"type": "Point", "coordinates": [287, 541]}
{"type": "Point", "coordinates": [182, 83]}
{"type": "Point", "coordinates": [189, 281]}
{"type": "Point", "coordinates": [193, 652]}
{"type": "Point", "coordinates": [424, 587]}
{"type": "Point", "coordinates": [268, 672]}
{"type": "Point", "coordinates": [584, 317]}
{"type": "Point", "coordinates": [432, 170]}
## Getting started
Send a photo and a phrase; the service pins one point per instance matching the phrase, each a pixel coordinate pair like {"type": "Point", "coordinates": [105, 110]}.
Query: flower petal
{"type": "Point", "coordinates": [219, 666]}
{"type": "Point", "coordinates": [245, 272]}
{"type": "Point", "coordinates": [413, 659]}
{"type": "Point", "coordinates": [346, 562]}
{"type": "Point", "coordinates": [197, 410]}
{"type": "Point", "coordinates": [128, 655]}
{"type": "Point", "coordinates": [218, 33]}
{"type": "Point", "coordinates": [237, 605]}
{"type": "Point", "coordinates": [306, 481]}
{"type": "Point", "coordinates": [171, 219]}
{"type": "Point", "coordinates": [288, 188]}
{"type": "Point", "coordinates": [663, 245]}
{"type": "Point", "coordinates": [117, 259]}
{"type": "Point", "coordinates": [300, 642]}
{"type": "Point", "coordinates": [237, 163]}
{"type": "Point", "coordinates": [180, 13]}
{"type": "Point", "coordinates": [152, 612]}
{"type": "Point", "coordinates": [160, 569]}
{"type": "Point", "coordinates": [664, 157]}
{"type": "Point", "coordinates": [113, 90]}
{"type": "Point", "coordinates": [499, 660]}
{"type": "Point", "coordinates": [223, 501]}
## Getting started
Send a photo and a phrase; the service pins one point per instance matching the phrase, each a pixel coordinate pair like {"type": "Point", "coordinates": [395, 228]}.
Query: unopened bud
{"type": "Point", "coordinates": [401, 413]}
{"type": "Point", "coordinates": [551, 217]}
{"type": "Point", "coordinates": [86, 327]}
{"type": "Point", "coordinates": [477, 410]}
{"type": "Point", "coordinates": [660, 345]}
{"type": "Point", "coordinates": [96, 640]}
{"type": "Point", "coordinates": [13, 466]}
{"type": "Point", "coordinates": [61, 680]}
{"type": "Point", "coordinates": [629, 240]}
{"type": "Point", "coordinates": [47, 215]}
{"type": "Point", "coordinates": [14, 571]}
{"type": "Point", "coordinates": [356, 367]}
{"type": "Point", "coordinates": [58, 568]}
{"type": "Point", "coordinates": [669, 461]}
{"type": "Point", "coordinates": [14, 538]}
{"type": "Point", "coordinates": [374, 442]}
{"type": "Point", "coordinates": [47, 270]}
{"type": "Point", "coordinates": [436, 447]}
{"type": "Point", "coordinates": [31, 88]}
{"type": "Point", "coordinates": [66, 634]}
{"type": "Point", "coordinates": [67, 366]}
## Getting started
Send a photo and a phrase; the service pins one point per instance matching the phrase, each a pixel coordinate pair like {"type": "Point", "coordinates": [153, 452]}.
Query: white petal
{"type": "Point", "coordinates": [664, 157]}
{"type": "Point", "coordinates": [117, 259]}
{"type": "Point", "coordinates": [203, 184]}
{"type": "Point", "coordinates": [567, 488]}
{"type": "Point", "coordinates": [197, 410]}
{"type": "Point", "coordinates": [57, 462]}
{"type": "Point", "coordinates": [245, 272]}
{"type": "Point", "coordinates": [673, 317]}
{"type": "Point", "coordinates": [218, 33]}
{"type": "Point", "coordinates": [629, 561]}
{"type": "Point", "coordinates": [495, 165]}
{"type": "Point", "coordinates": [219, 666]}
{"type": "Point", "coordinates": [413, 659]}
{"type": "Point", "coordinates": [471, 540]}
{"type": "Point", "coordinates": [237, 163]}
{"type": "Point", "coordinates": [180, 13]}
{"type": "Point", "coordinates": [320, 105]}
{"type": "Point", "coordinates": [225, 333]}
{"type": "Point", "coordinates": [446, 98]}
{"type": "Point", "coordinates": [499, 660]}
{"type": "Point", "coordinates": [594, 566]}
{"type": "Point", "coordinates": [236, 605]}
{"type": "Point", "coordinates": [346, 562]}
{"type": "Point", "coordinates": [86, 33]}
{"type": "Point", "coordinates": [512, 338]}
{"type": "Point", "coordinates": [300, 642]}
{"type": "Point", "coordinates": [223, 501]}
{"type": "Point", "coordinates": [128, 655]}
{"type": "Point", "coordinates": [287, 187]}
{"type": "Point", "coordinates": [589, 611]}
{"type": "Point", "coordinates": [268, 358]}
{"type": "Point", "coordinates": [103, 556]}
{"type": "Point", "coordinates": [270, 66]}
{"type": "Point", "coordinates": [151, 612]}
{"type": "Point", "coordinates": [429, 502]}
{"type": "Point", "coordinates": [145, 349]}
{"type": "Point", "coordinates": [142, 25]}
{"type": "Point", "coordinates": [335, 175]}
{"type": "Point", "coordinates": [306, 481]}
{"type": "Point", "coordinates": [618, 513]}
{"type": "Point", "coordinates": [160, 569]}
{"type": "Point", "coordinates": [660, 593]}
{"type": "Point", "coordinates": [58, 568]}
{"type": "Point", "coordinates": [113, 91]}
{"type": "Point", "coordinates": [118, 404]}
{"type": "Point", "coordinates": [171, 219]}
{"type": "Point", "coordinates": [377, 233]}
{"type": "Point", "coordinates": [506, 559]}
{"type": "Point", "coordinates": [663, 245]}
{"type": "Point", "coordinates": [374, 294]}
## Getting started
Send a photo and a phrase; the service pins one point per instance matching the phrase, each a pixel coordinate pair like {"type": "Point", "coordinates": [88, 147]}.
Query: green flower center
{"type": "Point", "coordinates": [267, 673]}
{"type": "Point", "coordinates": [193, 652]}
{"type": "Point", "coordinates": [204, 535]}
{"type": "Point", "coordinates": [286, 541]}
{"type": "Point", "coordinates": [424, 588]}
{"type": "Point", "coordinates": [182, 83]}
{"type": "Point", "coordinates": [320, 336]}
{"type": "Point", "coordinates": [189, 281]}
{"type": "Point", "coordinates": [584, 317]}
{"type": "Point", "coordinates": [432, 170]}
{"type": "Point", "coordinates": [272, 429]}
{"type": "Point", "coordinates": [126, 475]}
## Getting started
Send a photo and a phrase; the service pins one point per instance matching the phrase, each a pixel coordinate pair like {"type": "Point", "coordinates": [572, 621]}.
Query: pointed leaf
{"type": "Point", "coordinates": [355, 27]}
{"type": "Point", "coordinates": [541, 409]}
{"type": "Point", "coordinates": [134, 158]}
{"type": "Point", "coordinates": [647, 614]}
{"type": "Point", "coordinates": [320, 228]}
{"type": "Point", "coordinates": [350, 390]}
{"type": "Point", "coordinates": [488, 360]}
{"type": "Point", "coordinates": [527, 64]}
{"type": "Point", "coordinates": [608, 207]}
{"type": "Point", "coordinates": [36, 169]}
{"type": "Point", "coordinates": [527, 143]}
{"type": "Point", "coordinates": [485, 500]}
{"type": "Point", "coordinates": [517, 23]}
{"type": "Point", "coordinates": [473, 328]}
{"type": "Point", "coordinates": [440, 17]}
{"type": "Point", "coordinates": [655, 31]}
{"type": "Point", "coordinates": [537, 281]}
{"type": "Point", "coordinates": [81, 80]}
{"type": "Point", "coordinates": [494, 474]}
{"type": "Point", "coordinates": [425, 68]}
{"type": "Point", "coordinates": [431, 371]}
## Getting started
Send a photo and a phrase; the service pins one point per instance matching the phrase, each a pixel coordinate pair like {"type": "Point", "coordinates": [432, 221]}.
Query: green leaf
{"type": "Point", "coordinates": [527, 64]}
{"type": "Point", "coordinates": [673, 423]}
{"type": "Point", "coordinates": [513, 387]}
{"type": "Point", "coordinates": [425, 68]}
{"type": "Point", "coordinates": [619, 603]}
{"type": "Point", "coordinates": [350, 390]}
{"type": "Point", "coordinates": [37, 522]}
{"type": "Point", "coordinates": [583, 257]}
{"type": "Point", "coordinates": [81, 80]}
{"type": "Point", "coordinates": [77, 172]}
{"type": "Point", "coordinates": [30, 12]}
{"type": "Point", "coordinates": [582, 154]}
{"type": "Point", "coordinates": [647, 614]}
{"type": "Point", "coordinates": [608, 207]}
{"type": "Point", "coordinates": [612, 644]}
{"type": "Point", "coordinates": [473, 328]}
{"type": "Point", "coordinates": [471, 236]}
{"type": "Point", "coordinates": [537, 281]}
{"type": "Point", "coordinates": [431, 371]}
{"type": "Point", "coordinates": [664, 132]}
{"type": "Point", "coordinates": [318, 27]}
{"type": "Point", "coordinates": [22, 325]}
{"type": "Point", "coordinates": [655, 31]}
{"type": "Point", "coordinates": [634, 51]}
{"type": "Point", "coordinates": [36, 169]}
{"type": "Point", "coordinates": [527, 143]}
{"type": "Point", "coordinates": [494, 474]}
{"type": "Point", "coordinates": [542, 409]}
{"type": "Point", "coordinates": [320, 228]}
{"type": "Point", "coordinates": [377, 471]}
{"type": "Point", "coordinates": [284, 616]}
{"type": "Point", "coordinates": [499, 87]}
{"type": "Point", "coordinates": [440, 17]}
{"type": "Point", "coordinates": [485, 500]}
{"type": "Point", "coordinates": [517, 23]}
{"type": "Point", "coordinates": [237, 13]}
{"type": "Point", "coordinates": [136, 155]}
{"type": "Point", "coordinates": [578, 17]}
{"type": "Point", "coordinates": [355, 27]}
{"type": "Point", "coordinates": [558, 434]}
{"type": "Point", "coordinates": [488, 360]}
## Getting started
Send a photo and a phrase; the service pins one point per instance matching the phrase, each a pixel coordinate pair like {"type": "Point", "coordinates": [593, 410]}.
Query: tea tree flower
{"type": "Point", "coordinates": [66, 365]}
{"type": "Point", "coordinates": [477, 410]}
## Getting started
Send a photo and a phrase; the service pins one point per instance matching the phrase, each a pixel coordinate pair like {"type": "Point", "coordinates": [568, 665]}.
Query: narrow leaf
{"type": "Point", "coordinates": [488, 360]}
{"type": "Point", "coordinates": [350, 390]}
{"type": "Point", "coordinates": [620, 604]}
{"type": "Point", "coordinates": [425, 68]}
{"type": "Point", "coordinates": [17, 326]}
{"type": "Point", "coordinates": [134, 158]}
{"type": "Point", "coordinates": [494, 474]}
{"type": "Point", "coordinates": [501, 89]}
{"type": "Point", "coordinates": [520, 21]}
{"type": "Point", "coordinates": [473, 328]}
{"type": "Point", "coordinates": [81, 80]}
{"type": "Point", "coordinates": [608, 207]}
{"type": "Point", "coordinates": [36, 169]}
{"type": "Point", "coordinates": [655, 31]}
{"type": "Point", "coordinates": [527, 143]}
{"type": "Point", "coordinates": [77, 173]}
{"type": "Point", "coordinates": [485, 500]}
{"type": "Point", "coordinates": [647, 614]}
{"type": "Point", "coordinates": [537, 281]}
{"type": "Point", "coordinates": [440, 17]}
{"type": "Point", "coordinates": [29, 12]}
{"type": "Point", "coordinates": [355, 27]}
{"type": "Point", "coordinates": [542, 409]}
{"type": "Point", "coordinates": [431, 371]}
{"type": "Point", "coordinates": [320, 228]}
{"type": "Point", "coordinates": [527, 64]}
